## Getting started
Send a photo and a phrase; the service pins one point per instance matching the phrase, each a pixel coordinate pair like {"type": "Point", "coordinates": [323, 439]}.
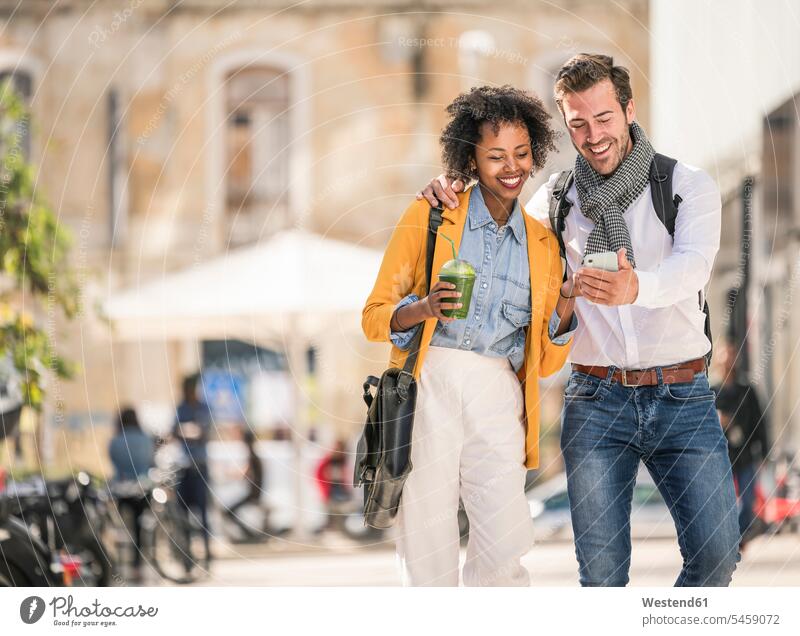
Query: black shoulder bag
{"type": "Point", "coordinates": [383, 455]}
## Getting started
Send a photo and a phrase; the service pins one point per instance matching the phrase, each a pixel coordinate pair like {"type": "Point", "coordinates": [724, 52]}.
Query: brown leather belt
{"type": "Point", "coordinates": [683, 372]}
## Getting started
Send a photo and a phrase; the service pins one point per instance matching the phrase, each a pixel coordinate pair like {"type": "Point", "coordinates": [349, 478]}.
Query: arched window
{"type": "Point", "coordinates": [257, 140]}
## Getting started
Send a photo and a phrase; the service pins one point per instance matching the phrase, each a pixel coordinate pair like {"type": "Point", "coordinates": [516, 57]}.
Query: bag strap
{"type": "Point", "coordinates": [560, 206]}
{"type": "Point", "coordinates": [666, 207]}
{"type": "Point", "coordinates": [434, 221]}
{"type": "Point", "coordinates": [370, 382]}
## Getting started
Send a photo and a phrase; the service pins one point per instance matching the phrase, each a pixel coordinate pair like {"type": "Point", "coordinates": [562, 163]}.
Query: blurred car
{"type": "Point", "coordinates": [549, 506]}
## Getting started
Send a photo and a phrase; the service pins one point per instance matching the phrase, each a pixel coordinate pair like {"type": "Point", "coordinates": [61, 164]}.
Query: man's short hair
{"type": "Point", "coordinates": [584, 70]}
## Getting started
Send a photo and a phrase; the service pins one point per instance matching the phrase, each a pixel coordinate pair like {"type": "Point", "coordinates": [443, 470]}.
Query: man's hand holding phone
{"type": "Point", "coordinates": [607, 283]}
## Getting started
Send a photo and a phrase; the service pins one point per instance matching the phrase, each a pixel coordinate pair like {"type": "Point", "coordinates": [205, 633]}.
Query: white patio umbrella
{"type": "Point", "coordinates": [280, 293]}
{"type": "Point", "coordinates": [291, 285]}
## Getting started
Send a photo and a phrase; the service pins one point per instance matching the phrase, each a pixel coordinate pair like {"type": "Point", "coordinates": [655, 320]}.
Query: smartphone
{"type": "Point", "coordinates": [606, 261]}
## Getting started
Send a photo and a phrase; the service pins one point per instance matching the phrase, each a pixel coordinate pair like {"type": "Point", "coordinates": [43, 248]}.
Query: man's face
{"type": "Point", "coordinates": [598, 126]}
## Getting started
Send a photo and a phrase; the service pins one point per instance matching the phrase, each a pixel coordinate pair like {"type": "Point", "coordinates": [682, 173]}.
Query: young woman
{"type": "Point", "coordinates": [477, 424]}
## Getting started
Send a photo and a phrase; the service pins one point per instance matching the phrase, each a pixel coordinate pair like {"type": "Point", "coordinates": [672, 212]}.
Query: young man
{"type": "Point", "coordinates": [639, 388]}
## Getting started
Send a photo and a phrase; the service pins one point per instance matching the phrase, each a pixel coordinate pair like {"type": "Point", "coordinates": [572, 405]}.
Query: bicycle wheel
{"type": "Point", "coordinates": [175, 545]}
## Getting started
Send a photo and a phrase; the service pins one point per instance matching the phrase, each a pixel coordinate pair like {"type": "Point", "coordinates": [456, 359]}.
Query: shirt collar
{"type": "Point", "coordinates": [479, 214]}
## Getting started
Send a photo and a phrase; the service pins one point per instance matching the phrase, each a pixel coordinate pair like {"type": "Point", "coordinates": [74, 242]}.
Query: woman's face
{"type": "Point", "coordinates": [504, 160]}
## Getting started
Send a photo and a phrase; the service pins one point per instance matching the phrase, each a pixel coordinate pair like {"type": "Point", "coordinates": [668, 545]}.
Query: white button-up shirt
{"type": "Point", "coordinates": [664, 325]}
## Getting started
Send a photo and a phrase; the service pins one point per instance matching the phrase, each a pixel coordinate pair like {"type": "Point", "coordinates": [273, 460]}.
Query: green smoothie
{"type": "Point", "coordinates": [462, 275]}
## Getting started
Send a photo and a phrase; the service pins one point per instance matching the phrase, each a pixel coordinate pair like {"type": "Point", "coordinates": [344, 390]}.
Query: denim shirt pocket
{"type": "Point", "coordinates": [515, 290]}
{"type": "Point", "coordinates": [515, 319]}
{"type": "Point", "coordinates": [516, 315]}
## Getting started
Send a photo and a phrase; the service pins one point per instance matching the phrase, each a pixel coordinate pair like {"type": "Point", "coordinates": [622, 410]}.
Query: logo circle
{"type": "Point", "coordinates": [31, 609]}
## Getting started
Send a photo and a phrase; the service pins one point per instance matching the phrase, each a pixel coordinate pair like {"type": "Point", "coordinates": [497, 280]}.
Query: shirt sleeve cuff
{"type": "Point", "coordinates": [555, 323]}
{"type": "Point", "coordinates": [402, 339]}
{"type": "Point", "coordinates": [648, 288]}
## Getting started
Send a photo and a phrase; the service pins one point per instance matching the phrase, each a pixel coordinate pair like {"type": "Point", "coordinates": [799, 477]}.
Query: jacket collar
{"type": "Point", "coordinates": [458, 215]}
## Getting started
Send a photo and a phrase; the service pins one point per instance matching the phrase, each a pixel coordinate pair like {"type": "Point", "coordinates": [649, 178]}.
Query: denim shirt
{"type": "Point", "coordinates": [500, 308]}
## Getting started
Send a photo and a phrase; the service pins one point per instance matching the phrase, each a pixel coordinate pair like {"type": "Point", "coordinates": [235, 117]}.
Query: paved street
{"type": "Point", "coordinates": [768, 561]}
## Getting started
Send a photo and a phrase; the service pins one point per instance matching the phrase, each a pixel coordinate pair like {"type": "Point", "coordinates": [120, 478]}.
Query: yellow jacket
{"type": "Point", "coordinates": [402, 272]}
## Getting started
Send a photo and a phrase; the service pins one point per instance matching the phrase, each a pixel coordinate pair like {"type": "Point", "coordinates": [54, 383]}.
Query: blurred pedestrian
{"type": "Point", "coordinates": [191, 430]}
{"type": "Point", "coordinates": [745, 425]}
{"type": "Point", "coordinates": [131, 451]}
{"type": "Point", "coordinates": [254, 478]}
{"type": "Point", "coordinates": [334, 479]}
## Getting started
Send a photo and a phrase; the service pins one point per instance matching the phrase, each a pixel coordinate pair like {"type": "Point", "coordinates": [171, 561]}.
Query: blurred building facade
{"type": "Point", "coordinates": [725, 85]}
{"type": "Point", "coordinates": [167, 133]}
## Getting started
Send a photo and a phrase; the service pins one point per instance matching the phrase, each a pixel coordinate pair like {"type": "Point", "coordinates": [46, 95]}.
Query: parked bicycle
{"type": "Point", "coordinates": [72, 517]}
{"type": "Point", "coordinates": [24, 559]}
{"type": "Point", "coordinates": [170, 537]}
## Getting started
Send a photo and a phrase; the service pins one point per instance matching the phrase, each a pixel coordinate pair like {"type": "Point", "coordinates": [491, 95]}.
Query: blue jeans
{"type": "Point", "coordinates": [607, 428]}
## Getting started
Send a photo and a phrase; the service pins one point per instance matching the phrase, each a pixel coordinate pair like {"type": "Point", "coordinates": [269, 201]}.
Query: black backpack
{"type": "Point", "coordinates": [664, 202]}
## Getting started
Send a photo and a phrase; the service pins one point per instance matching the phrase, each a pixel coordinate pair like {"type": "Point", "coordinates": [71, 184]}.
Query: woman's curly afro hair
{"type": "Point", "coordinates": [497, 105]}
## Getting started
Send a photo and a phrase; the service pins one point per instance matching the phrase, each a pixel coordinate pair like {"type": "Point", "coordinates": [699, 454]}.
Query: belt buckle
{"type": "Point", "coordinates": [625, 379]}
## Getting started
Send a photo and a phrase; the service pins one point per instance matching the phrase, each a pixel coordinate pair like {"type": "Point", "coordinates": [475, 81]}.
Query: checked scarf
{"type": "Point", "coordinates": [604, 200]}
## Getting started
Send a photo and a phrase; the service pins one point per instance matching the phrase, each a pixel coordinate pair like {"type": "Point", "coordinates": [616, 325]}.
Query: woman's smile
{"type": "Point", "coordinates": [511, 183]}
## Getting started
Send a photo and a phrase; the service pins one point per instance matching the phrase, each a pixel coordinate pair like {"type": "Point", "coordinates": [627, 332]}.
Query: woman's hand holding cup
{"type": "Point", "coordinates": [440, 298]}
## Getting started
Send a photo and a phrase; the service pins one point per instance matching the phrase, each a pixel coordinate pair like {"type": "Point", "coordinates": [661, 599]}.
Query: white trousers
{"type": "Point", "coordinates": [468, 441]}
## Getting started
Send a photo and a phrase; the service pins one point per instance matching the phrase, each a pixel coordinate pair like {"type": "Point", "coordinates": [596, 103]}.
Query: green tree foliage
{"type": "Point", "coordinates": [35, 276]}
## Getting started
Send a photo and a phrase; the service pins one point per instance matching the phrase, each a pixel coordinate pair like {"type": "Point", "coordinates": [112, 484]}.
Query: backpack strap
{"type": "Point", "coordinates": [560, 206]}
{"type": "Point", "coordinates": [666, 206]}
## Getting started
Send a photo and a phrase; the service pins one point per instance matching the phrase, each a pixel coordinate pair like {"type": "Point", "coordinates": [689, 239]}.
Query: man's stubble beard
{"type": "Point", "coordinates": [619, 146]}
